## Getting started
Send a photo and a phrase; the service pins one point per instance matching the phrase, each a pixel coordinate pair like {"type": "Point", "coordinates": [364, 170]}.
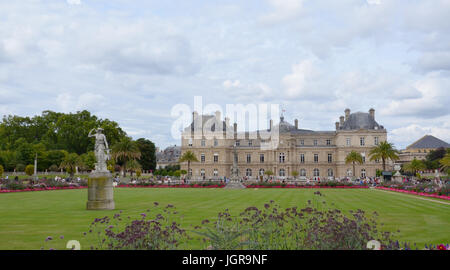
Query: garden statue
{"type": "Point", "coordinates": [100, 182]}
{"type": "Point", "coordinates": [101, 150]}
{"type": "Point", "coordinates": [234, 173]}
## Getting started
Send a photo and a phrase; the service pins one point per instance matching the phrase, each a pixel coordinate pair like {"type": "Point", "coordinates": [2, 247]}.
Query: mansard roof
{"type": "Point", "coordinates": [360, 120]}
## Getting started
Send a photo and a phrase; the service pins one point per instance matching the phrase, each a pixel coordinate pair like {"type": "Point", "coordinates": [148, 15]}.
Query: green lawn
{"type": "Point", "coordinates": [27, 218]}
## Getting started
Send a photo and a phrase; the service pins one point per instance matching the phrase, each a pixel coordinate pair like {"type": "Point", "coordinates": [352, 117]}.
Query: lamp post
{"type": "Point", "coordinates": [35, 168]}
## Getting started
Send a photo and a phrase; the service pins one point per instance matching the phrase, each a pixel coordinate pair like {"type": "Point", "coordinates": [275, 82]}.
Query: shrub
{"type": "Point", "coordinates": [29, 170]}
{"type": "Point", "coordinates": [53, 168]}
{"type": "Point", "coordinates": [158, 232]}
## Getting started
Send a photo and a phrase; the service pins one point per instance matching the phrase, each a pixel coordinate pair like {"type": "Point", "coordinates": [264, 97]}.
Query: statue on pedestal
{"type": "Point", "coordinates": [100, 183]}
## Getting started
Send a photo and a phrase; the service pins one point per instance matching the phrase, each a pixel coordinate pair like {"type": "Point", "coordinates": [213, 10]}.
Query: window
{"type": "Point", "coordinates": [250, 143]}
{"type": "Point", "coordinates": [302, 172]}
{"type": "Point", "coordinates": [377, 160]}
{"type": "Point", "coordinates": [261, 171]}
{"type": "Point", "coordinates": [328, 142]}
{"type": "Point", "coordinates": [302, 158]}
{"type": "Point", "coordinates": [261, 158]}
{"type": "Point", "coordinates": [375, 140]}
{"type": "Point", "coordinates": [203, 142]}
{"type": "Point", "coordinates": [190, 172]}
{"type": "Point", "coordinates": [282, 172]}
{"type": "Point", "coordinates": [249, 158]}
{"type": "Point", "coordinates": [202, 158]}
{"type": "Point", "coordinates": [363, 173]}
{"type": "Point", "coordinates": [216, 143]}
{"type": "Point", "coordinates": [202, 172]}
{"type": "Point", "coordinates": [330, 172]}
{"type": "Point", "coordinates": [216, 172]}
{"type": "Point", "coordinates": [362, 141]}
{"type": "Point", "coordinates": [190, 142]}
{"type": "Point", "coordinates": [349, 141]}
{"type": "Point", "coordinates": [316, 158]}
{"type": "Point", "coordinates": [315, 142]}
{"type": "Point", "coordinates": [302, 142]}
{"type": "Point", "coordinates": [248, 172]}
{"type": "Point", "coordinates": [316, 172]}
{"type": "Point", "coordinates": [216, 158]}
{"type": "Point", "coordinates": [282, 158]}
{"type": "Point", "coordinates": [330, 158]}
{"type": "Point", "coordinates": [238, 143]}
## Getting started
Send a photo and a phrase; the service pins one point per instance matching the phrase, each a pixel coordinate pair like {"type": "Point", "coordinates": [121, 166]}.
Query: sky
{"type": "Point", "coordinates": [133, 61]}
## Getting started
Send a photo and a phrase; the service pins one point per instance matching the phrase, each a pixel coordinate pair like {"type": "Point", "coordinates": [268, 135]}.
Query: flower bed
{"type": "Point", "coordinates": [172, 186]}
{"type": "Point", "coordinates": [416, 193]}
{"type": "Point", "coordinates": [304, 186]}
{"type": "Point", "coordinates": [39, 189]}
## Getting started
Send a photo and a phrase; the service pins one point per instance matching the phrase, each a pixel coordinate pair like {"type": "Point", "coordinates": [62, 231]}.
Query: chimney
{"type": "Point", "coordinates": [341, 121]}
{"type": "Point", "coordinates": [235, 130]}
{"type": "Point", "coordinates": [337, 125]}
{"type": "Point", "coordinates": [227, 121]}
{"type": "Point", "coordinates": [372, 113]}
{"type": "Point", "coordinates": [217, 115]}
{"type": "Point", "coordinates": [296, 123]}
{"type": "Point", "coordinates": [271, 124]}
{"type": "Point", "coordinates": [347, 113]}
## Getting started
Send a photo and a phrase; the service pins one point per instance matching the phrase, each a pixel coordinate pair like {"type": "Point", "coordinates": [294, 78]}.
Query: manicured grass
{"type": "Point", "coordinates": [27, 218]}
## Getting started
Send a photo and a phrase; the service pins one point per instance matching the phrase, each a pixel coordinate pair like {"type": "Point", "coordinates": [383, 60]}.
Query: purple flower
{"type": "Point", "coordinates": [48, 238]}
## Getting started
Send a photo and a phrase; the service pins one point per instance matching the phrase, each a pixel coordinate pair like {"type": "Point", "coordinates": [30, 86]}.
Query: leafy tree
{"type": "Point", "coordinates": [354, 157]}
{"type": "Point", "coordinates": [70, 162]}
{"type": "Point", "coordinates": [20, 167]}
{"type": "Point", "coordinates": [295, 174]}
{"type": "Point", "coordinates": [188, 157]}
{"type": "Point", "coordinates": [384, 151]}
{"type": "Point", "coordinates": [414, 166]}
{"type": "Point", "coordinates": [177, 173]}
{"type": "Point", "coordinates": [29, 170]}
{"type": "Point", "coordinates": [1, 170]}
{"type": "Point", "coordinates": [148, 156]}
{"type": "Point", "coordinates": [124, 151]}
{"type": "Point", "coordinates": [55, 157]}
{"type": "Point", "coordinates": [89, 160]}
{"type": "Point", "coordinates": [183, 172]}
{"type": "Point", "coordinates": [138, 173]}
{"type": "Point", "coordinates": [268, 173]}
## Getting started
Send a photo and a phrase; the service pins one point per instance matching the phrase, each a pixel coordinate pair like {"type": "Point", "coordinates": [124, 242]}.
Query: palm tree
{"type": "Point", "coordinates": [133, 166]}
{"type": "Point", "coordinates": [124, 151]}
{"type": "Point", "coordinates": [70, 162]}
{"type": "Point", "coordinates": [445, 161]}
{"type": "Point", "coordinates": [384, 151]}
{"type": "Point", "coordinates": [188, 157]}
{"type": "Point", "coordinates": [353, 157]}
{"type": "Point", "coordinates": [414, 166]}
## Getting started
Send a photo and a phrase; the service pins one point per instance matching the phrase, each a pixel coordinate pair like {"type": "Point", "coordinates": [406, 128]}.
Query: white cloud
{"type": "Point", "coordinates": [283, 10]}
{"type": "Point", "coordinates": [74, 2]}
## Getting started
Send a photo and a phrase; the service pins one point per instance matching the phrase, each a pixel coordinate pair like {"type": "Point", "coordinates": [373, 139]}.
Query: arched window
{"type": "Point", "coordinates": [302, 172]}
{"type": "Point", "coordinates": [282, 172]}
{"type": "Point", "coordinates": [248, 172]}
{"type": "Point", "coordinates": [349, 172]}
{"type": "Point", "coordinates": [363, 173]}
{"type": "Point", "coordinates": [261, 171]}
{"type": "Point", "coordinates": [330, 172]}
{"type": "Point", "coordinates": [316, 172]}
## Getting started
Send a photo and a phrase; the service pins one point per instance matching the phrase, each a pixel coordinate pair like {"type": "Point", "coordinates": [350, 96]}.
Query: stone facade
{"type": "Point", "coordinates": [313, 154]}
{"type": "Point", "coordinates": [168, 156]}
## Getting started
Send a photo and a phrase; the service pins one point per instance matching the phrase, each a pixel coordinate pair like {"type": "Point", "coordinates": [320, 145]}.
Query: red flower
{"type": "Point", "coordinates": [442, 247]}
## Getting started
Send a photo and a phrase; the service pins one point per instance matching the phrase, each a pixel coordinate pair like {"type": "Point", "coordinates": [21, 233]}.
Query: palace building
{"type": "Point", "coordinates": [311, 154]}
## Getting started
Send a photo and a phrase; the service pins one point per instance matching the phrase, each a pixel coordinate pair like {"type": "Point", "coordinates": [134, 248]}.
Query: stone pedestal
{"type": "Point", "coordinates": [234, 185]}
{"type": "Point", "coordinates": [100, 191]}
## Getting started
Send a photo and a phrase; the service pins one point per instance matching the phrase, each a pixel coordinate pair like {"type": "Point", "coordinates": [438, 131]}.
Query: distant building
{"type": "Point", "coordinates": [420, 149]}
{"type": "Point", "coordinates": [168, 156]}
{"type": "Point", "coordinates": [312, 154]}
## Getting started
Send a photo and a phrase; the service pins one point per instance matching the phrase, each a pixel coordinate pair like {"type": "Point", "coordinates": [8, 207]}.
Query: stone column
{"type": "Point", "coordinates": [100, 191]}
